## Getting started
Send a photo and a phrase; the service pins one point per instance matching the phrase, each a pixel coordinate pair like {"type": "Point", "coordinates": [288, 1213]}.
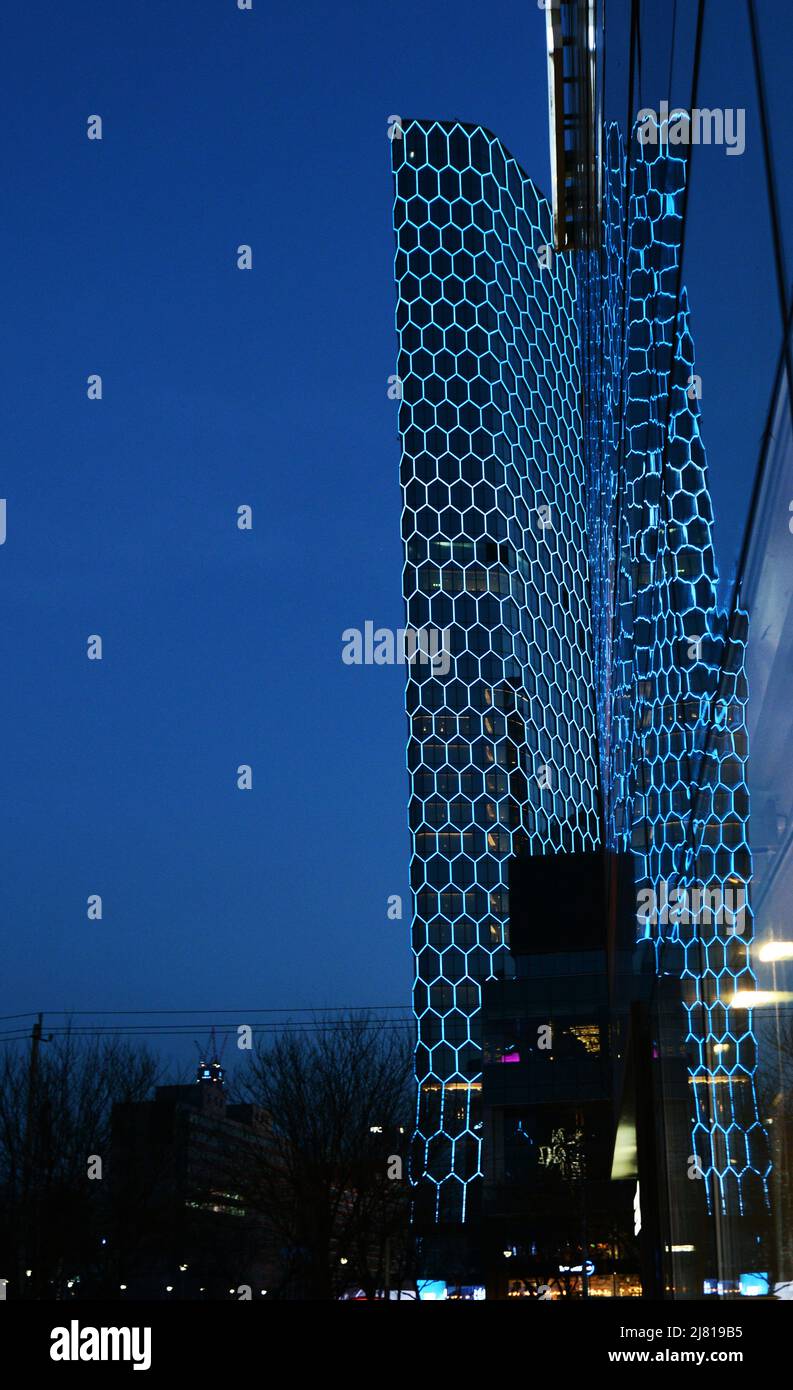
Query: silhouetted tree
{"type": "Point", "coordinates": [55, 1120]}
{"type": "Point", "coordinates": [330, 1184]}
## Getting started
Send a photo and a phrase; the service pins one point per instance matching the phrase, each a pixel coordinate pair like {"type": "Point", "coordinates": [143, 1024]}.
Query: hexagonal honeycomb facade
{"type": "Point", "coordinates": [501, 751]}
{"type": "Point", "coordinates": [670, 672]}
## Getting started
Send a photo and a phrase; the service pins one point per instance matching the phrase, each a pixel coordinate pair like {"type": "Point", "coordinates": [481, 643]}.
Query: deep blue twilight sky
{"type": "Point", "coordinates": [268, 388]}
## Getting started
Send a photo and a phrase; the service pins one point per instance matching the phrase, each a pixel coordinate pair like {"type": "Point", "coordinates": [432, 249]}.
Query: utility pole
{"type": "Point", "coordinates": [35, 1039]}
{"type": "Point", "coordinates": [29, 1237]}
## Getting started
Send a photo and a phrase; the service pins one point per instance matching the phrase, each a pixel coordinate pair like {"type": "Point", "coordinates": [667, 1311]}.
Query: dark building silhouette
{"type": "Point", "coordinates": [553, 1222]}
{"type": "Point", "coordinates": [182, 1221]}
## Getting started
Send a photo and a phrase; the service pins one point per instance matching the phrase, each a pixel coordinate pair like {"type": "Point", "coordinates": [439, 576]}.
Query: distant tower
{"type": "Point", "coordinates": [210, 1072]}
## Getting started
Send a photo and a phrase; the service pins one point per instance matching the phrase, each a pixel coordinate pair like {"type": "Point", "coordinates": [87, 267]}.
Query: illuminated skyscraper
{"type": "Point", "coordinates": [556, 514]}
{"type": "Point", "coordinates": [501, 752]}
{"type": "Point", "coordinates": [671, 678]}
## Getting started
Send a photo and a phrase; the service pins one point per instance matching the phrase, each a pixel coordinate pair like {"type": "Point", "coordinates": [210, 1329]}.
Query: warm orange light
{"type": "Point", "coordinates": [757, 998]}
{"type": "Point", "coordinates": [776, 950]}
